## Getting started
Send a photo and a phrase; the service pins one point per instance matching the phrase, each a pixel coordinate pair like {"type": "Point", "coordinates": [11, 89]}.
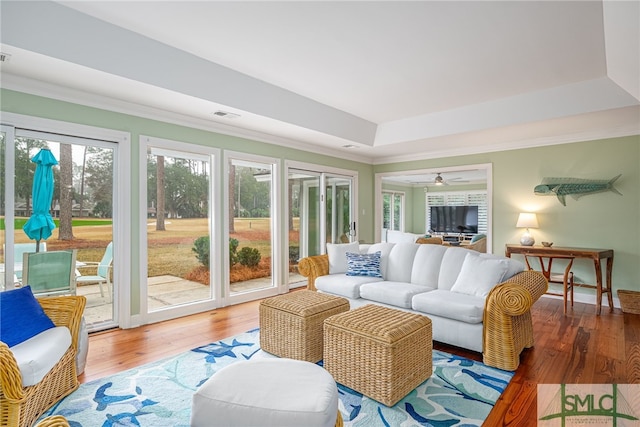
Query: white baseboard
{"type": "Point", "coordinates": [587, 299]}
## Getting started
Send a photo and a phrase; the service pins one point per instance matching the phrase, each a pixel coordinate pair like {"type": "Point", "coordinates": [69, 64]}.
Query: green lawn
{"type": "Point", "coordinates": [80, 222]}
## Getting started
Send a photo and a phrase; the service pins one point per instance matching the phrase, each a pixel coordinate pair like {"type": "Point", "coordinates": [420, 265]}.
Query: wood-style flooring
{"type": "Point", "coordinates": [579, 348]}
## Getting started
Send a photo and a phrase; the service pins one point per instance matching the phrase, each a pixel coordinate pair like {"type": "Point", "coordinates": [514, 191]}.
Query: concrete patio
{"type": "Point", "coordinates": [164, 291]}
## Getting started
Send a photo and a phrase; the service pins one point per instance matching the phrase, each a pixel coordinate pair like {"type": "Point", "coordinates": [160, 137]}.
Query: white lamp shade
{"type": "Point", "coordinates": [527, 220]}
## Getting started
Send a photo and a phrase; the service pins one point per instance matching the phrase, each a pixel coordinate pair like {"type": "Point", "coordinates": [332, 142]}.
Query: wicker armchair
{"type": "Point", "coordinates": [507, 325]}
{"type": "Point", "coordinates": [54, 421]}
{"type": "Point", "coordinates": [22, 406]}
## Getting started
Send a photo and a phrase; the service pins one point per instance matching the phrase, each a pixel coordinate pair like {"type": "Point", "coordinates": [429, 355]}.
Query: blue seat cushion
{"type": "Point", "coordinates": [21, 316]}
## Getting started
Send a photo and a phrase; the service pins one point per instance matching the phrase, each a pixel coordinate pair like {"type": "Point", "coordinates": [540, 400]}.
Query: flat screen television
{"type": "Point", "coordinates": [454, 219]}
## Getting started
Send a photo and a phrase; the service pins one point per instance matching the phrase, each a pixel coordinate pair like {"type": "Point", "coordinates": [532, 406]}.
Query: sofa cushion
{"type": "Point", "coordinates": [401, 262]}
{"type": "Point", "coordinates": [514, 266]}
{"type": "Point", "coordinates": [479, 275]}
{"type": "Point", "coordinates": [451, 265]}
{"type": "Point", "coordinates": [394, 236]}
{"type": "Point", "coordinates": [21, 316]}
{"type": "Point", "coordinates": [338, 256]}
{"type": "Point", "coordinates": [384, 249]}
{"type": "Point", "coordinates": [398, 294]}
{"type": "Point", "coordinates": [343, 285]}
{"type": "Point", "coordinates": [363, 264]}
{"type": "Point", "coordinates": [426, 265]}
{"type": "Point", "coordinates": [462, 307]}
{"type": "Point", "coordinates": [37, 355]}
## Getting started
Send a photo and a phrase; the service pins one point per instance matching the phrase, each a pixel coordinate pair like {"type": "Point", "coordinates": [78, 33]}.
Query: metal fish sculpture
{"type": "Point", "coordinates": [574, 187]}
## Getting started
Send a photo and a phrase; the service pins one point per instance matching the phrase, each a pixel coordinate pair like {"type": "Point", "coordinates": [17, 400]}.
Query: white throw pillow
{"type": "Point", "coordinates": [338, 256]}
{"type": "Point", "coordinates": [479, 275]}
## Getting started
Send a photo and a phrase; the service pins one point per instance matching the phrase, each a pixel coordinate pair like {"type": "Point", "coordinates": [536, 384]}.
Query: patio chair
{"type": "Point", "coordinates": [19, 249]}
{"type": "Point", "coordinates": [50, 273]}
{"type": "Point", "coordinates": [103, 271]}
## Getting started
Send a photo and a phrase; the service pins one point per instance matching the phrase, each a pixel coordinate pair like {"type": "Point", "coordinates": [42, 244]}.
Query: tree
{"type": "Point", "coordinates": [160, 193]}
{"type": "Point", "coordinates": [99, 179]}
{"type": "Point", "coordinates": [232, 196]}
{"type": "Point", "coordinates": [66, 193]}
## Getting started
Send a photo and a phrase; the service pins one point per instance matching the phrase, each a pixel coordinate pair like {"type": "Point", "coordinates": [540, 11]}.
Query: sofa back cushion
{"type": "Point", "coordinates": [400, 262]}
{"type": "Point", "coordinates": [394, 236]}
{"type": "Point", "coordinates": [513, 265]}
{"type": "Point", "coordinates": [426, 265]}
{"type": "Point", "coordinates": [479, 275]}
{"type": "Point", "coordinates": [338, 256]}
{"type": "Point", "coordinates": [384, 249]}
{"type": "Point", "coordinates": [451, 265]}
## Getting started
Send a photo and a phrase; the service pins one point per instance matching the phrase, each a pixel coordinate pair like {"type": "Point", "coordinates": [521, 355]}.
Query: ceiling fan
{"type": "Point", "coordinates": [439, 180]}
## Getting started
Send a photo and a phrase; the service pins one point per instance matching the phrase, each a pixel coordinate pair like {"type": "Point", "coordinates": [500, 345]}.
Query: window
{"type": "Point", "coordinates": [393, 210]}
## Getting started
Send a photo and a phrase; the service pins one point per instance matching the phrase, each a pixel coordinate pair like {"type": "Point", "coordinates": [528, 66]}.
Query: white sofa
{"type": "Point", "coordinates": [450, 285]}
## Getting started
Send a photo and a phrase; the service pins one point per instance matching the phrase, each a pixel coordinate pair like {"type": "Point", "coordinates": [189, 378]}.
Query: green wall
{"type": "Point", "coordinates": [603, 220]}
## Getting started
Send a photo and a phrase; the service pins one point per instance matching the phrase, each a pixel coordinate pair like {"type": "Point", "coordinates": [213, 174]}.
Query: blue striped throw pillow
{"type": "Point", "coordinates": [364, 264]}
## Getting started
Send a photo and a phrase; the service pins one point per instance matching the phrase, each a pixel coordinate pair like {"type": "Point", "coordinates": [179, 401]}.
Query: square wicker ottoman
{"type": "Point", "coordinates": [378, 351]}
{"type": "Point", "coordinates": [291, 325]}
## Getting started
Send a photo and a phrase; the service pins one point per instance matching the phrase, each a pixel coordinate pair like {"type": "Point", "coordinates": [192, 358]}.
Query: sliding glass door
{"type": "Point", "coordinates": [180, 274]}
{"type": "Point", "coordinates": [321, 210]}
{"type": "Point", "coordinates": [82, 209]}
{"type": "Point", "coordinates": [251, 226]}
{"type": "Point", "coordinates": [340, 227]}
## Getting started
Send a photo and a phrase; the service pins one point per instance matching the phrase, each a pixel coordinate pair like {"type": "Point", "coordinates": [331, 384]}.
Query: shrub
{"type": "Point", "coordinates": [294, 254]}
{"type": "Point", "coordinates": [233, 251]}
{"type": "Point", "coordinates": [201, 248]}
{"type": "Point", "coordinates": [249, 257]}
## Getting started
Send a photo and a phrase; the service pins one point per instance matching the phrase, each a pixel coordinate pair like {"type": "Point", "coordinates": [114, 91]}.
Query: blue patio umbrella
{"type": "Point", "coordinates": [40, 224]}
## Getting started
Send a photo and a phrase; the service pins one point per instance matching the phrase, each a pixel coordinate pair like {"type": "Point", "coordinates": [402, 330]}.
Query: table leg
{"type": "Point", "coordinates": [596, 263]}
{"type": "Point", "coordinates": [565, 284]}
{"type": "Point", "coordinates": [609, 284]}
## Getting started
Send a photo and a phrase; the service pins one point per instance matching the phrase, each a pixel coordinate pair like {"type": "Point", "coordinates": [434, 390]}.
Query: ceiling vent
{"type": "Point", "coordinates": [4, 57]}
{"type": "Point", "coordinates": [226, 114]}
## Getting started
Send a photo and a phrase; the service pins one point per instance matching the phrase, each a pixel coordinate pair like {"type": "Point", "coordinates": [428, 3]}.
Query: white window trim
{"type": "Point", "coordinates": [277, 275]}
{"type": "Point", "coordinates": [393, 193]}
{"type": "Point", "coordinates": [121, 198]}
{"type": "Point", "coordinates": [326, 170]}
{"type": "Point", "coordinates": [177, 147]}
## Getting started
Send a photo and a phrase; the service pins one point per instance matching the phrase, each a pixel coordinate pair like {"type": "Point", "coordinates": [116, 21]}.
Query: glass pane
{"type": "Point", "coordinates": [178, 235]}
{"type": "Point", "coordinates": [339, 227]}
{"type": "Point", "coordinates": [304, 221]}
{"type": "Point", "coordinates": [81, 208]}
{"type": "Point", "coordinates": [250, 231]}
{"type": "Point", "coordinates": [387, 219]}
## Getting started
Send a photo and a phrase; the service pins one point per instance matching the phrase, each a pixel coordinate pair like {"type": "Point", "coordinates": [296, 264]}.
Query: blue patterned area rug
{"type": "Point", "coordinates": [460, 392]}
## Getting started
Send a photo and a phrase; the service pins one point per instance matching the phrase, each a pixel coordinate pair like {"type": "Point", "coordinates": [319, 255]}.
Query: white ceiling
{"type": "Point", "coordinates": [393, 80]}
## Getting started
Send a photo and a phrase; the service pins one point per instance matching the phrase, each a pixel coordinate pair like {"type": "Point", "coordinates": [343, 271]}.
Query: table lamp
{"type": "Point", "coordinates": [527, 220]}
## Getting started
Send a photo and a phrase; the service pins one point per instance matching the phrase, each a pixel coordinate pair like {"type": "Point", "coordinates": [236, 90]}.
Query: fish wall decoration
{"type": "Point", "coordinates": [574, 187]}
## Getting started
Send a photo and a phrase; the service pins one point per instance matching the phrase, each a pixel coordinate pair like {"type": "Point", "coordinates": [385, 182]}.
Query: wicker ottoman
{"type": "Point", "coordinates": [378, 351]}
{"type": "Point", "coordinates": [291, 324]}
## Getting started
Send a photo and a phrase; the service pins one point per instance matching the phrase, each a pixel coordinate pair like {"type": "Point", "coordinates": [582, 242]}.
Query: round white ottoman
{"type": "Point", "coordinates": [267, 392]}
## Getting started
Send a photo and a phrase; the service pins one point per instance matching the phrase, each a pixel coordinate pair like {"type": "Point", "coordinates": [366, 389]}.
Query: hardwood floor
{"type": "Point", "coordinates": [579, 348]}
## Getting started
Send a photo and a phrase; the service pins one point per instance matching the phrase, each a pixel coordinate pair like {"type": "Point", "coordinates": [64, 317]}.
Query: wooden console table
{"type": "Point", "coordinates": [571, 253]}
